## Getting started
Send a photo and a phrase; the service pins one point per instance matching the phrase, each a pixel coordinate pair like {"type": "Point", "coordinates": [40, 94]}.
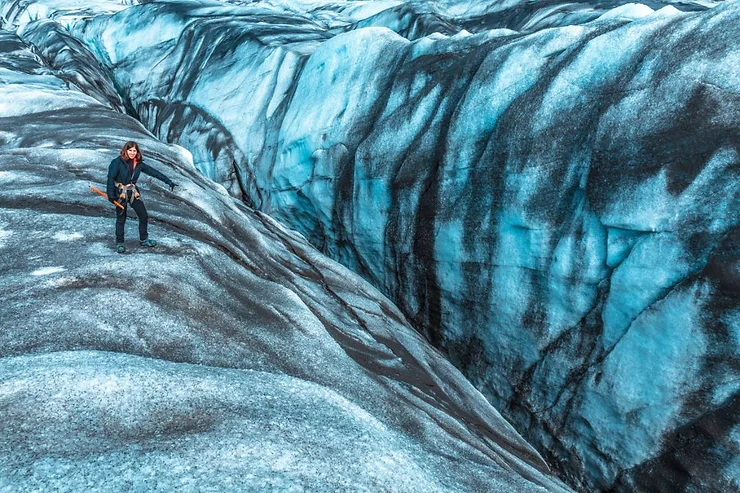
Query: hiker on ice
{"type": "Point", "coordinates": [123, 173]}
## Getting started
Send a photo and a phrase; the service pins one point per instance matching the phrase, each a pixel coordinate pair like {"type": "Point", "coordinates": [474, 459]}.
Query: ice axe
{"type": "Point", "coordinates": [100, 192]}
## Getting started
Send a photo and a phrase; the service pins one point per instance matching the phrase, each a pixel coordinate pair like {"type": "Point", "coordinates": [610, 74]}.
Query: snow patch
{"type": "Point", "coordinates": [66, 237]}
{"type": "Point", "coordinates": [667, 11]}
{"type": "Point", "coordinates": [630, 11]}
{"type": "Point", "coordinates": [8, 177]}
{"type": "Point", "coordinates": [4, 235]}
{"type": "Point", "coordinates": [45, 271]}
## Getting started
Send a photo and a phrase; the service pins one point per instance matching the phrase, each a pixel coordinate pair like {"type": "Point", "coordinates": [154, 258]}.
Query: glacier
{"type": "Point", "coordinates": [548, 191]}
{"type": "Point", "coordinates": [234, 356]}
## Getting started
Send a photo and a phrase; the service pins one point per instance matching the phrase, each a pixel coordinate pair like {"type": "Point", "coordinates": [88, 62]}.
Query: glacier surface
{"type": "Point", "coordinates": [233, 356]}
{"type": "Point", "coordinates": [549, 191]}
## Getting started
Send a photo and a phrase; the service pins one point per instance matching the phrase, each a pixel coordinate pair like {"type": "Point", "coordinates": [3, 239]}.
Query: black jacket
{"type": "Point", "coordinates": [121, 171]}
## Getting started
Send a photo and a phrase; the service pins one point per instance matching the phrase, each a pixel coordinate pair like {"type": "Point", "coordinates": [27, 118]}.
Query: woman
{"type": "Point", "coordinates": [123, 173]}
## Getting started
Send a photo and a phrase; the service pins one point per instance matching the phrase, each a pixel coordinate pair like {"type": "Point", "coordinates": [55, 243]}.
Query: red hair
{"type": "Point", "coordinates": [130, 145]}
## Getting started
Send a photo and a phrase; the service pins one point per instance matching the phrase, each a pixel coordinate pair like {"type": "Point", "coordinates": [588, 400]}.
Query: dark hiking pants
{"type": "Point", "coordinates": [140, 210]}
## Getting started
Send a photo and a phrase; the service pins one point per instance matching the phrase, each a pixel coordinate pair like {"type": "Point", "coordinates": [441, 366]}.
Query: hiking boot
{"type": "Point", "coordinates": [120, 247]}
{"type": "Point", "coordinates": [148, 243]}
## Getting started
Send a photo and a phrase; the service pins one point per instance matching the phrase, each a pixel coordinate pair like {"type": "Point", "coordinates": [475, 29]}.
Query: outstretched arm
{"type": "Point", "coordinates": [145, 168]}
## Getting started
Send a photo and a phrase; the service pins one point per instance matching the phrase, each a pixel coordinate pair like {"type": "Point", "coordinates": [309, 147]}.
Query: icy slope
{"type": "Point", "coordinates": [232, 357]}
